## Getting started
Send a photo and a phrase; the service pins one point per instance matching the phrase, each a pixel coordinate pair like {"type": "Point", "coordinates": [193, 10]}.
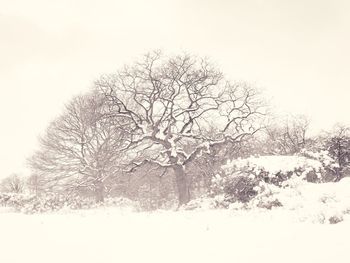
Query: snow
{"type": "Point", "coordinates": [322, 156]}
{"type": "Point", "coordinates": [120, 235]}
{"type": "Point", "coordinates": [298, 231]}
{"type": "Point", "coordinates": [309, 202]}
{"type": "Point", "coordinates": [275, 163]}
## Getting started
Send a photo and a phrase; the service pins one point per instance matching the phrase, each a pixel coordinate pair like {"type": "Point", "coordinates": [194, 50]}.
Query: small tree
{"type": "Point", "coordinates": [36, 184]}
{"type": "Point", "coordinates": [338, 146]}
{"type": "Point", "coordinates": [175, 109]}
{"type": "Point", "coordinates": [12, 184]}
{"type": "Point", "coordinates": [80, 149]}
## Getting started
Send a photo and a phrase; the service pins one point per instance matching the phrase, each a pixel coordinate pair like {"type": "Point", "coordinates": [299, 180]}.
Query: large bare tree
{"type": "Point", "coordinates": [80, 149]}
{"type": "Point", "coordinates": [177, 108]}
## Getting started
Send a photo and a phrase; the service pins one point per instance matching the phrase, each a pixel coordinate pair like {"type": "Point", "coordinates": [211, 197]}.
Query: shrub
{"type": "Point", "coordinates": [335, 219]}
{"type": "Point", "coordinates": [276, 169]}
{"type": "Point", "coordinates": [206, 202]}
{"type": "Point", "coordinates": [240, 188]}
{"type": "Point", "coordinates": [30, 204]}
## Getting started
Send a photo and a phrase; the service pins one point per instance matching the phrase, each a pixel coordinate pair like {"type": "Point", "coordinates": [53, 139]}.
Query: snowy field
{"type": "Point", "coordinates": [300, 230]}
{"type": "Point", "coordinates": [114, 235]}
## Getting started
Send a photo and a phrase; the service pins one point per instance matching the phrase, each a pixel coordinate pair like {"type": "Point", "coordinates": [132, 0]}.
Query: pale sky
{"type": "Point", "coordinates": [298, 51]}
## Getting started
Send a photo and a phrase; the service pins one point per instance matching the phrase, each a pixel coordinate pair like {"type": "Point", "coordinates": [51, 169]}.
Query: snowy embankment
{"type": "Point", "coordinates": [283, 234]}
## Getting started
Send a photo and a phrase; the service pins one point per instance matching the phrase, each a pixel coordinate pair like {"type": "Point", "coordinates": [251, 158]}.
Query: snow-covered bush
{"type": "Point", "coordinates": [34, 204]}
{"type": "Point", "coordinates": [243, 179]}
{"type": "Point", "coordinates": [322, 203]}
{"type": "Point", "coordinates": [240, 188]}
{"type": "Point", "coordinates": [45, 203]}
{"type": "Point", "coordinates": [265, 197]}
{"type": "Point", "coordinates": [122, 202]}
{"type": "Point", "coordinates": [295, 199]}
{"type": "Point", "coordinates": [53, 202]}
{"type": "Point", "coordinates": [205, 203]}
{"type": "Point", "coordinates": [329, 165]}
{"type": "Point", "coordinates": [275, 169]}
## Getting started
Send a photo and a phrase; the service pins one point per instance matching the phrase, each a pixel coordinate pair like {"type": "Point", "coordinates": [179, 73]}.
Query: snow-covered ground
{"type": "Point", "coordinates": [114, 235]}
{"type": "Point", "coordinates": [298, 231]}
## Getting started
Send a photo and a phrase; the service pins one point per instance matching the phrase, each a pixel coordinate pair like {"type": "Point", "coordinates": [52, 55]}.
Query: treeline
{"type": "Point", "coordinates": [159, 130]}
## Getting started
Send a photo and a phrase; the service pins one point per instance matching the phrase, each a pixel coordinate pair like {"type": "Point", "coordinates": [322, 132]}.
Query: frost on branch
{"type": "Point", "coordinates": [174, 109]}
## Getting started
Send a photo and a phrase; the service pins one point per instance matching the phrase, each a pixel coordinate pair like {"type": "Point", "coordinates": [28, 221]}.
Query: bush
{"type": "Point", "coordinates": [335, 219]}
{"type": "Point", "coordinates": [276, 169]}
{"type": "Point", "coordinates": [30, 204]}
{"type": "Point", "coordinates": [242, 180]}
{"type": "Point", "coordinates": [240, 188]}
{"type": "Point", "coordinates": [206, 202]}
{"type": "Point", "coordinates": [269, 204]}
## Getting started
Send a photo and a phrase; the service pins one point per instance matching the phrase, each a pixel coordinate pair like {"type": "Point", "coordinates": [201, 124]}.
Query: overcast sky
{"type": "Point", "coordinates": [297, 50]}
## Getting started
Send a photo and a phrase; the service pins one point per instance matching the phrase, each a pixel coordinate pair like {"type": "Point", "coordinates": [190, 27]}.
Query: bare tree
{"type": "Point", "coordinates": [287, 136]}
{"type": "Point", "coordinates": [338, 145]}
{"type": "Point", "coordinates": [176, 109]}
{"type": "Point", "coordinates": [79, 149]}
{"type": "Point", "coordinates": [12, 184]}
{"type": "Point", "coordinates": [36, 184]}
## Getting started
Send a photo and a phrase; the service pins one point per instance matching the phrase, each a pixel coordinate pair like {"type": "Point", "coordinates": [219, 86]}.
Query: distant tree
{"type": "Point", "coordinates": [80, 149]}
{"type": "Point", "coordinates": [338, 145]}
{"type": "Point", "coordinates": [12, 184]}
{"type": "Point", "coordinates": [286, 135]}
{"type": "Point", "coordinates": [176, 109]}
{"type": "Point", "coordinates": [36, 184]}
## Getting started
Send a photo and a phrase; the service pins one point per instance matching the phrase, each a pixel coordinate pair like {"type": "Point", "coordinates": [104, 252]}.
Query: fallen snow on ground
{"type": "Point", "coordinates": [296, 232]}
{"type": "Point", "coordinates": [315, 202]}
{"type": "Point", "coordinates": [114, 235]}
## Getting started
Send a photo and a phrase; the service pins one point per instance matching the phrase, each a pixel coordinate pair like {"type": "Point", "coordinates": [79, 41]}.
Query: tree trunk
{"type": "Point", "coordinates": [182, 185]}
{"type": "Point", "coordinates": [99, 191]}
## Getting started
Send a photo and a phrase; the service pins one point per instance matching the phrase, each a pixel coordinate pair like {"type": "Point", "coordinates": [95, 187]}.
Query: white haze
{"type": "Point", "coordinates": [297, 51]}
